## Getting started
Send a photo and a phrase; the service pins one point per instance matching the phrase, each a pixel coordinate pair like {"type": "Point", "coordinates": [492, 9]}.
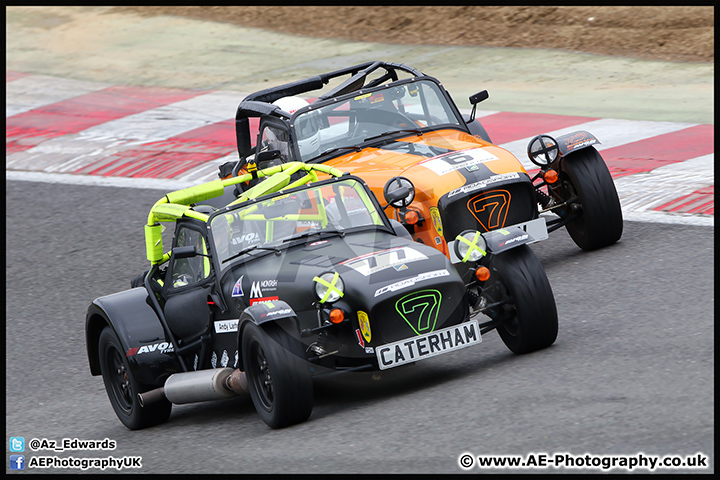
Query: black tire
{"type": "Point", "coordinates": [531, 320]}
{"type": "Point", "coordinates": [279, 378]}
{"type": "Point", "coordinates": [122, 388]}
{"type": "Point", "coordinates": [601, 222]}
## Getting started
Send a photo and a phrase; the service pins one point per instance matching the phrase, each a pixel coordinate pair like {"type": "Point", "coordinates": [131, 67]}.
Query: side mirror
{"type": "Point", "coordinates": [479, 97]}
{"type": "Point", "coordinates": [474, 100]}
{"type": "Point", "coordinates": [184, 252]}
{"type": "Point", "coordinates": [399, 192]}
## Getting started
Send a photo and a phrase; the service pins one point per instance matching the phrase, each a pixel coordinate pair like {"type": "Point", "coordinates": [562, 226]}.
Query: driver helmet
{"type": "Point", "coordinates": [307, 126]}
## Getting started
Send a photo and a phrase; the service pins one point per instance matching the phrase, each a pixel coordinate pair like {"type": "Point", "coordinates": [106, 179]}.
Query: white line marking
{"type": "Point", "coordinates": [123, 182]}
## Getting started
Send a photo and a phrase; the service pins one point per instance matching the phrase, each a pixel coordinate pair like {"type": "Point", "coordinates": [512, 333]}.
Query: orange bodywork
{"type": "Point", "coordinates": [377, 165]}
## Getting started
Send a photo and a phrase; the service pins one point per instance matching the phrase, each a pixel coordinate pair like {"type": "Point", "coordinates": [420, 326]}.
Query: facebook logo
{"type": "Point", "coordinates": [17, 444]}
{"type": "Point", "coordinates": [17, 462]}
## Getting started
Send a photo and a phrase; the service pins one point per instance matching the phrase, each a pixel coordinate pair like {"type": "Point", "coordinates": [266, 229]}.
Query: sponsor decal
{"type": "Point", "coordinates": [428, 345]}
{"type": "Point", "coordinates": [437, 221]}
{"type": "Point", "coordinates": [248, 238]}
{"type": "Point", "coordinates": [259, 289]}
{"type": "Point", "coordinates": [377, 261]}
{"type": "Point", "coordinates": [253, 301]}
{"type": "Point", "coordinates": [577, 140]}
{"type": "Point", "coordinates": [224, 359]}
{"type": "Point", "coordinates": [411, 281]}
{"type": "Point", "coordinates": [226, 326]}
{"type": "Point", "coordinates": [369, 350]}
{"type": "Point", "coordinates": [420, 309]}
{"type": "Point", "coordinates": [400, 268]}
{"type": "Point", "coordinates": [483, 183]}
{"type": "Point", "coordinates": [513, 240]}
{"type": "Point", "coordinates": [490, 209]}
{"type": "Point", "coordinates": [315, 244]}
{"type": "Point", "coordinates": [283, 311]}
{"type": "Point", "coordinates": [161, 347]}
{"type": "Point", "coordinates": [237, 290]}
{"type": "Point", "coordinates": [450, 162]}
{"type": "Point", "coordinates": [364, 322]}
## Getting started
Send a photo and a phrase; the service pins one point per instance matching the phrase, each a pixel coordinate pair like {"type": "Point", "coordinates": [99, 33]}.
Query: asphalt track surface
{"type": "Point", "coordinates": [632, 371]}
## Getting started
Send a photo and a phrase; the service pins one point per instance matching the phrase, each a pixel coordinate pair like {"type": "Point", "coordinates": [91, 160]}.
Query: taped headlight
{"type": "Point", "coordinates": [470, 246]}
{"type": "Point", "coordinates": [542, 150]}
{"type": "Point", "coordinates": [329, 287]}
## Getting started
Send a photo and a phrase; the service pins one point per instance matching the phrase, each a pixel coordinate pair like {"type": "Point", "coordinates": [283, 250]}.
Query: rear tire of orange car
{"type": "Point", "coordinates": [531, 314]}
{"type": "Point", "coordinates": [601, 222]}
{"type": "Point", "coordinates": [122, 388]}
{"type": "Point", "coordinates": [278, 375]}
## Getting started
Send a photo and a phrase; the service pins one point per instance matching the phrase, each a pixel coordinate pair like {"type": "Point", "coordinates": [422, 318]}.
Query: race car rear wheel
{"type": "Point", "coordinates": [531, 321]}
{"type": "Point", "coordinates": [278, 375]}
{"type": "Point", "coordinates": [122, 388]}
{"type": "Point", "coordinates": [601, 221]}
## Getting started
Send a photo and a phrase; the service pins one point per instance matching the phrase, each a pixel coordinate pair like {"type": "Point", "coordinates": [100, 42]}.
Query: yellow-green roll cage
{"type": "Point", "coordinates": [176, 205]}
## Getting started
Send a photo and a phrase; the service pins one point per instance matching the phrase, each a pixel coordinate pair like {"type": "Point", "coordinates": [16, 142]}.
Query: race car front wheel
{"type": "Point", "coordinates": [278, 375]}
{"type": "Point", "coordinates": [531, 321]}
{"type": "Point", "coordinates": [122, 388]}
{"type": "Point", "coordinates": [600, 223]}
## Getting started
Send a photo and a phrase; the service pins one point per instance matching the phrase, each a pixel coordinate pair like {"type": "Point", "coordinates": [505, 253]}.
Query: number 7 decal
{"type": "Point", "coordinates": [420, 309]}
{"type": "Point", "coordinates": [490, 209]}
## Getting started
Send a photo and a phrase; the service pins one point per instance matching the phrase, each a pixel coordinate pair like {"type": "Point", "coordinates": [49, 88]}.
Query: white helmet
{"type": "Point", "coordinates": [307, 125]}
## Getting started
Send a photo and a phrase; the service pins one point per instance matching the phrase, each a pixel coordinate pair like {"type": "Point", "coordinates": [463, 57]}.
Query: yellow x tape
{"type": "Point", "coordinates": [472, 244]}
{"type": "Point", "coordinates": [330, 286]}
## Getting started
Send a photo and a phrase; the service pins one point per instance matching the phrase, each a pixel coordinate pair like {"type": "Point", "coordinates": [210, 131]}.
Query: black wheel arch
{"type": "Point", "coordinates": [260, 314]}
{"type": "Point", "coordinates": [129, 315]}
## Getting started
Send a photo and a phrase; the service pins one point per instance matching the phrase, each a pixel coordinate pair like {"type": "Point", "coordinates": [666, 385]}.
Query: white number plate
{"type": "Point", "coordinates": [425, 346]}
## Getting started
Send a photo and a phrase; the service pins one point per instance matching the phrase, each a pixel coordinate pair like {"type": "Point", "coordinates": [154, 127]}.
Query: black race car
{"type": "Point", "coordinates": [297, 276]}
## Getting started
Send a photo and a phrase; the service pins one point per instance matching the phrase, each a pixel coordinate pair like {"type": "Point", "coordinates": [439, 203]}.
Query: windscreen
{"type": "Point", "coordinates": [348, 122]}
{"type": "Point", "coordinates": [275, 222]}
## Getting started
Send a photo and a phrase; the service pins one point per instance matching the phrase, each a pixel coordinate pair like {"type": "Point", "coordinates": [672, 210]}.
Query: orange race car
{"type": "Point", "coordinates": [400, 131]}
{"type": "Point", "coordinates": [444, 184]}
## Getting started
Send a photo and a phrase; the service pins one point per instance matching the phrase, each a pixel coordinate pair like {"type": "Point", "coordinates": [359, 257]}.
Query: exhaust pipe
{"type": "Point", "coordinates": [198, 386]}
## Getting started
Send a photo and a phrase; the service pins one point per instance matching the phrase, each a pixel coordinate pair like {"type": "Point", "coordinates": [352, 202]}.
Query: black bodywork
{"type": "Point", "coordinates": [207, 317]}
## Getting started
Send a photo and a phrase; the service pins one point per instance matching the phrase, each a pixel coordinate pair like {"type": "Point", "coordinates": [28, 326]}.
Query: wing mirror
{"type": "Point", "coordinates": [474, 100]}
{"type": "Point", "coordinates": [187, 252]}
{"type": "Point", "coordinates": [184, 252]}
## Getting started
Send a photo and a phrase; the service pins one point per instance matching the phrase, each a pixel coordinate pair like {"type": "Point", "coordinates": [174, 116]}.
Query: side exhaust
{"type": "Point", "coordinates": [198, 386]}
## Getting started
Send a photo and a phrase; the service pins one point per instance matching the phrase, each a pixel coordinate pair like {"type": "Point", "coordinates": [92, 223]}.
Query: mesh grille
{"type": "Point", "coordinates": [487, 210]}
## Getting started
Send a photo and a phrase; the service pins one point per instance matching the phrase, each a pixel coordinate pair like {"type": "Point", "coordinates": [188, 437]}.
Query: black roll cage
{"type": "Point", "coordinates": [259, 104]}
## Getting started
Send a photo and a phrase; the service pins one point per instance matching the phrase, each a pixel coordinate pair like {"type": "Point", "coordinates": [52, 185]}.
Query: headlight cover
{"type": "Point", "coordinates": [329, 287]}
{"type": "Point", "coordinates": [470, 246]}
{"type": "Point", "coordinates": [542, 150]}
